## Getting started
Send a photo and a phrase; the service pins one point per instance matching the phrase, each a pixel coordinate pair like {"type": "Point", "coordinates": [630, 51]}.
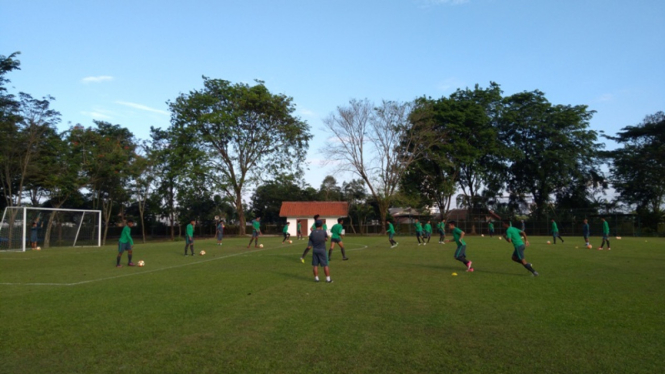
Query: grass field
{"type": "Point", "coordinates": [388, 310]}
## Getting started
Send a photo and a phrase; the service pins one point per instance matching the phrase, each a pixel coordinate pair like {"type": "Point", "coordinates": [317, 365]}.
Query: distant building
{"type": "Point", "coordinates": [304, 211]}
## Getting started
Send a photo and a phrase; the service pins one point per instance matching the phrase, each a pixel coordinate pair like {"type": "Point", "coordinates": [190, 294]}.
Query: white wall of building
{"type": "Point", "coordinates": [293, 227]}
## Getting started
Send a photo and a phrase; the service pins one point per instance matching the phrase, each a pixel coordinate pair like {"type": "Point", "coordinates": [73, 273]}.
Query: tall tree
{"type": "Point", "coordinates": [168, 167]}
{"type": "Point", "coordinates": [638, 167]}
{"type": "Point", "coordinates": [552, 146]}
{"type": "Point", "coordinates": [329, 190]}
{"type": "Point", "coordinates": [268, 197]}
{"type": "Point", "coordinates": [243, 131]}
{"type": "Point", "coordinates": [108, 157]}
{"type": "Point", "coordinates": [378, 144]}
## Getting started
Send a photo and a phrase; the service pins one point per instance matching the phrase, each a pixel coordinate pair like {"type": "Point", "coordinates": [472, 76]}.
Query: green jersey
{"type": "Point", "coordinates": [189, 231]}
{"type": "Point", "coordinates": [391, 228]}
{"type": "Point", "coordinates": [606, 228]}
{"type": "Point", "coordinates": [428, 228]}
{"type": "Point", "coordinates": [555, 228]}
{"type": "Point", "coordinates": [285, 229]}
{"type": "Point", "coordinates": [491, 226]}
{"type": "Point", "coordinates": [256, 225]}
{"type": "Point", "coordinates": [298, 226]}
{"type": "Point", "coordinates": [126, 236]}
{"type": "Point", "coordinates": [419, 227]}
{"type": "Point", "coordinates": [336, 231]}
{"type": "Point", "coordinates": [457, 235]}
{"type": "Point", "coordinates": [325, 227]}
{"type": "Point", "coordinates": [513, 234]}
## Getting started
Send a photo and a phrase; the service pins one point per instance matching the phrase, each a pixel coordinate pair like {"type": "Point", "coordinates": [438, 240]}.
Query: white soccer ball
{"type": "Point", "coordinates": [260, 245]}
{"type": "Point", "coordinates": [482, 235]}
{"type": "Point", "coordinates": [202, 253]}
{"type": "Point", "coordinates": [290, 241]}
{"type": "Point", "coordinates": [500, 238]}
{"type": "Point", "coordinates": [548, 242]}
{"type": "Point", "coordinates": [39, 248]}
{"type": "Point", "coordinates": [141, 263]}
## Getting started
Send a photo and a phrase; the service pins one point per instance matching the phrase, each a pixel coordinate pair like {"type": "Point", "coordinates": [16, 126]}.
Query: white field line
{"type": "Point", "coordinates": [161, 269]}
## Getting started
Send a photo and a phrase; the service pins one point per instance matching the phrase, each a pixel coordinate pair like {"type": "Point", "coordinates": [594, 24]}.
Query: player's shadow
{"type": "Point", "coordinates": [305, 276]}
{"type": "Point", "coordinates": [458, 268]}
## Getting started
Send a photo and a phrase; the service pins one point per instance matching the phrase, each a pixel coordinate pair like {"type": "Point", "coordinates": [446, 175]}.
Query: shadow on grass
{"type": "Point", "coordinates": [460, 268]}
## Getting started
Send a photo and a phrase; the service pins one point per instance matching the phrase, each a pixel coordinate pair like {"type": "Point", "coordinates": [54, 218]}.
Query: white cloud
{"type": "Point", "coordinates": [98, 79]}
{"type": "Point", "coordinates": [307, 113]}
{"type": "Point", "coordinates": [142, 107]}
{"type": "Point", "coordinates": [605, 97]}
{"type": "Point", "coordinates": [96, 115]}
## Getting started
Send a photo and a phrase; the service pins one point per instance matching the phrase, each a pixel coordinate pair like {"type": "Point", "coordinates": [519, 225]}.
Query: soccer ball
{"type": "Point", "coordinates": [260, 245]}
{"type": "Point", "coordinates": [482, 235]}
{"type": "Point", "coordinates": [39, 248]}
{"type": "Point", "coordinates": [589, 246]}
{"type": "Point", "coordinates": [548, 242]}
{"type": "Point", "coordinates": [499, 238]}
{"type": "Point", "coordinates": [618, 238]}
{"type": "Point", "coordinates": [202, 253]}
{"type": "Point", "coordinates": [454, 274]}
{"type": "Point", "coordinates": [141, 263]}
{"type": "Point", "coordinates": [290, 241]}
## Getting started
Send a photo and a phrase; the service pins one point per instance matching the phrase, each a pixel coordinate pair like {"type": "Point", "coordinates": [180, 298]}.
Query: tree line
{"type": "Point", "coordinates": [232, 142]}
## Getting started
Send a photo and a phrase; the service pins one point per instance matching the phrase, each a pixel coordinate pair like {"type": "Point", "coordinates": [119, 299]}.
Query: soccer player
{"type": "Point", "coordinates": [428, 231]}
{"type": "Point", "coordinates": [299, 232]}
{"type": "Point", "coordinates": [606, 235]}
{"type": "Point", "coordinates": [419, 231]}
{"type": "Point", "coordinates": [337, 237]}
{"type": "Point", "coordinates": [220, 232]}
{"type": "Point", "coordinates": [189, 237]}
{"type": "Point", "coordinates": [125, 244]}
{"type": "Point", "coordinates": [460, 253]}
{"type": "Point", "coordinates": [491, 228]}
{"type": "Point", "coordinates": [285, 232]}
{"type": "Point", "coordinates": [585, 231]}
{"type": "Point", "coordinates": [309, 243]}
{"type": "Point", "coordinates": [555, 232]}
{"type": "Point", "coordinates": [318, 239]}
{"type": "Point", "coordinates": [441, 226]}
{"type": "Point", "coordinates": [514, 236]}
{"type": "Point", "coordinates": [256, 232]}
{"type": "Point", "coordinates": [391, 234]}
{"type": "Point", "coordinates": [33, 235]}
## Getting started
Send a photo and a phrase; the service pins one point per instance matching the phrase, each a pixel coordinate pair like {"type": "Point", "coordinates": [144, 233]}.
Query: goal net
{"type": "Point", "coordinates": [49, 228]}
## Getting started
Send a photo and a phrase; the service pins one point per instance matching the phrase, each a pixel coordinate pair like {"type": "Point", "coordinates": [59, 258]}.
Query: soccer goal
{"type": "Point", "coordinates": [50, 228]}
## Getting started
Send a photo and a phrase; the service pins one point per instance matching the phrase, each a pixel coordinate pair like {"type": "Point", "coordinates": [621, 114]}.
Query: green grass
{"type": "Point", "coordinates": [389, 310]}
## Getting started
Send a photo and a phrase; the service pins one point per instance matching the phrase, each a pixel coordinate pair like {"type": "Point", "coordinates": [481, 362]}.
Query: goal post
{"type": "Point", "coordinates": [50, 228]}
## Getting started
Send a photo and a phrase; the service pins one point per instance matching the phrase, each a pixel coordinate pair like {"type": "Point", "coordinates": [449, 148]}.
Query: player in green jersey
{"type": "Point", "coordinates": [299, 232]}
{"type": "Point", "coordinates": [427, 231]}
{"type": "Point", "coordinates": [491, 229]}
{"type": "Point", "coordinates": [285, 232]}
{"type": "Point", "coordinates": [189, 237]}
{"type": "Point", "coordinates": [555, 232]}
{"type": "Point", "coordinates": [606, 235]}
{"type": "Point", "coordinates": [256, 232]}
{"type": "Point", "coordinates": [337, 237]}
{"type": "Point", "coordinates": [460, 253]}
{"type": "Point", "coordinates": [126, 243]}
{"type": "Point", "coordinates": [419, 231]}
{"type": "Point", "coordinates": [391, 234]}
{"type": "Point", "coordinates": [441, 226]}
{"type": "Point", "coordinates": [514, 236]}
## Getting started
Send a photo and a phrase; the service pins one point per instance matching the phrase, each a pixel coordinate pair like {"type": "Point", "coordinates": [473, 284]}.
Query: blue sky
{"type": "Point", "coordinates": [121, 61]}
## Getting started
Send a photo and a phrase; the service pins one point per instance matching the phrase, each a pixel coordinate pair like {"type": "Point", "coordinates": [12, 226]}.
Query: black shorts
{"type": "Point", "coordinates": [333, 240]}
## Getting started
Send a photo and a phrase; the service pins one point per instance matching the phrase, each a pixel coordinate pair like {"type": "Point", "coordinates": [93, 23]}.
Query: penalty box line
{"type": "Point", "coordinates": [132, 274]}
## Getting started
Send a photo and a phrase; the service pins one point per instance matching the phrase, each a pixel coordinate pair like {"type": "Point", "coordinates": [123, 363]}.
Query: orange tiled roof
{"type": "Point", "coordinates": [310, 208]}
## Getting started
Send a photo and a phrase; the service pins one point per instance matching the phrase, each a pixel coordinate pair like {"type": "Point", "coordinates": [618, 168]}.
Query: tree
{"type": "Point", "coordinates": [108, 158]}
{"type": "Point", "coordinates": [267, 199]}
{"type": "Point", "coordinates": [551, 146]}
{"type": "Point", "coordinates": [378, 144]}
{"type": "Point", "coordinates": [471, 156]}
{"type": "Point", "coordinates": [355, 194]}
{"type": "Point", "coordinates": [638, 167]}
{"type": "Point", "coordinates": [167, 171]}
{"type": "Point", "coordinates": [243, 132]}
{"type": "Point", "coordinates": [329, 190]}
